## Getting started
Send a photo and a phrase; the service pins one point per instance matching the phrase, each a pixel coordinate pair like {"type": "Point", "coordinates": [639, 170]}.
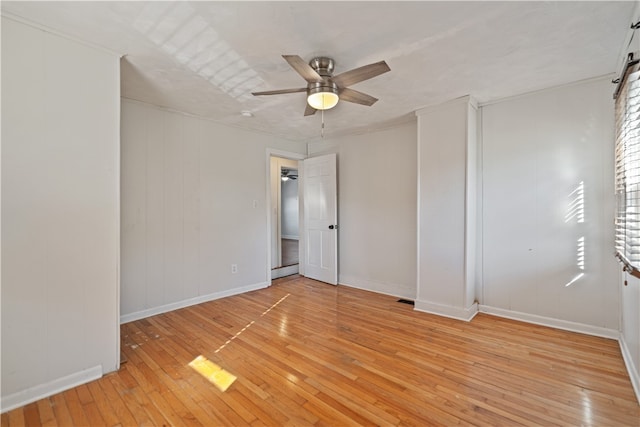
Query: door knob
{"type": "Point", "coordinates": [331, 227]}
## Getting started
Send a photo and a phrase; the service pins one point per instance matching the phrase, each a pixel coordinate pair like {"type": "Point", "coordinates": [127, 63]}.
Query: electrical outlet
{"type": "Point", "coordinates": [234, 268]}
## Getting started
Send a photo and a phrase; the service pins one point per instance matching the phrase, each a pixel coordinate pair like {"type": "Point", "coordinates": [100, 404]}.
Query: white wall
{"type": "Point", "coordinates": [447, 151]}
{"type": "Point", "coordinates": [289, 209]}
{"type": "Point", "coordinates": [376, 209]}
{"type": "Point", "coordinates": [193, 203]}
{"type": "Point", "coordinates": [60, 148]}
{"type": "Point", "coordinates": [546, 156]}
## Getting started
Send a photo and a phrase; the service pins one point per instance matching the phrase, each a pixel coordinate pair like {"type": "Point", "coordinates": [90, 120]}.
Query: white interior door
{"type": "Point", "coordinates": [320, 219]}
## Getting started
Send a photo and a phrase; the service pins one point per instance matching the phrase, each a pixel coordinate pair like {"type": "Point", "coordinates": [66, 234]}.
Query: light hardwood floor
{"type": "Point", "coordinates": [289, 252]}
{"type": "Point", "coordinates": [307, 353]}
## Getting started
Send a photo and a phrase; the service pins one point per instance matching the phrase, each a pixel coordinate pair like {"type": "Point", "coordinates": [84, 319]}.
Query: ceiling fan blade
{"type": "Point", "coordinates": [354, 96]}
{"type": "Point", "coordinates": [365, 72]}
{"type": "Point", "coordinates": [280, 91]}
{"type": "Point", "coordinates": [302, 68]}
{"type": "Point", "coordinates": [309, 110]}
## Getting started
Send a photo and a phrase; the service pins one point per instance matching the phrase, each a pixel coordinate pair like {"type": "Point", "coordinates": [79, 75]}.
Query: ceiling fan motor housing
{"type": "Point", "coordinates": [325, 86]}
{"type": "Point", "coordinates": [323, 66]}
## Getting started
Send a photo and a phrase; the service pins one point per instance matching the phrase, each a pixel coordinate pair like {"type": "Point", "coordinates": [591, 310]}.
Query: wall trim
{"type": "Point", "coordinates": [126, 318]}
{"type": "Point", "coordinates": [551, 322]}
{"type": "Point", "coordinates": [467, 99]}
{"type": "Point", "coordinates": [401, 121]}
{"type": "Point", "coordinates": [279, 272]}
{"type": "Point", "coordinates": [546, 89]}
{"type": "Point", "coordinates": [631, 369]}
{"type": "Point", "coordinates": [42, 391]}
{"type": "Point", "coordinates": [372, 286]}
{"type": "Point", "coordinates": [218, 122]}
{"type": "Point", "coordinates": [450, 311]}
{"type": "Point", "coordinates": [46, 29]}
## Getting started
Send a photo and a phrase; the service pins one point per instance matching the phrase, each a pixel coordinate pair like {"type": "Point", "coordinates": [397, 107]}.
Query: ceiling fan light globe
{"type": "Point", "coordinates": [322, 100]}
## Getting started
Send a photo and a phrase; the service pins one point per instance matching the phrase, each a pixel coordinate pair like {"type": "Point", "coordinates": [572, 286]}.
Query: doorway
{"type": "Point", "coordinates": [289, 224]}
{"type": "Point", "coordinates": [317, 215]}
{"type": "Point", "coordinates": [285, 217]}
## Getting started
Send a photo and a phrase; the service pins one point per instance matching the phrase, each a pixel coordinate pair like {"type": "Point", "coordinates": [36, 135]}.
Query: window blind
{"type": "Point", "coordinates": [627, 170]}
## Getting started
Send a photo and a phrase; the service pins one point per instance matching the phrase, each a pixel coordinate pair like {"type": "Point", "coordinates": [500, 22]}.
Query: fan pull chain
{"type": "Point", "coordinates": [322, 127]}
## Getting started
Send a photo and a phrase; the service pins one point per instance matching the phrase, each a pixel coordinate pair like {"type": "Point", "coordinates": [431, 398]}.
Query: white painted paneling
{"type": "Point", "coordinates": [23, 227]}
{"type": "Point", "coordinates": [155, 200]}
{"type": "Point", "coordinates": [60, 192]}
{"type": "Point", "coordinates": [190, 201]}
{"type": "Point", "coordinates": [209, 249]}
{"type": "Point", "coordinates": [446, 202]}
{"type": "Point", "coordinates": [508, 237]}
{"type": "Point", "coordinates": [173, 209]}
{"type": "Point", "coordinates": [133, 211]}
{"type": "Point", "coordinates": [191, 209]}
{"type": "Point", "coordinates": [547, 187]}
{"type": "Point", "coordinates": [376, 209]}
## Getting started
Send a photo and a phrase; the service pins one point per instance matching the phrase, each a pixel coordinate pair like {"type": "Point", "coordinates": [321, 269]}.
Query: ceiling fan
{"type": "Point", "coordinates": [323, 88]}
{"type": "Point", "coordinates": [289, 174]}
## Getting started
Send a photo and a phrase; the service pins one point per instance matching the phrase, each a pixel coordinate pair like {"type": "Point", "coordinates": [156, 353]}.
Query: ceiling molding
{"type": "Point", "coordinates": [607, 77]}
{"type": "Point", "coordinates": [21, 20]}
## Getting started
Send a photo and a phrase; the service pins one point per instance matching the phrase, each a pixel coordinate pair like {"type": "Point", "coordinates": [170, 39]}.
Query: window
{"type": "Point", "coordinates": [627, 169]}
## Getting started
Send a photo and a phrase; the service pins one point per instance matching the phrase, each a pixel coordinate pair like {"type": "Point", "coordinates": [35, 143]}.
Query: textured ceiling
{"type": "Point", "coordinates": [204, 58]}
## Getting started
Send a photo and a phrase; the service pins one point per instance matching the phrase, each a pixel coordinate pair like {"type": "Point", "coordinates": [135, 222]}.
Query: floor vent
{"type": "Point", "coordinates": [406, 301]}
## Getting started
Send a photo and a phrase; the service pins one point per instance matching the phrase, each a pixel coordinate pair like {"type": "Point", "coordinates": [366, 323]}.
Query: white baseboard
{"type": "Point", "coordinates": [41, 391]}
{"type": "Point", "coordinates": [458, 313]}
{"type": "Point", "coordinates": [631, 368]}
{"type": "Point", "coordinates": [126, 318]}
{"type": "Point", "coordinates": [290, 237]}
{"type": "Point", "coordinates": [551, 322]}
{"type": "Point", "coordinates": [372, 286]}
{"type": "Point", "coordinates": [276, 273]}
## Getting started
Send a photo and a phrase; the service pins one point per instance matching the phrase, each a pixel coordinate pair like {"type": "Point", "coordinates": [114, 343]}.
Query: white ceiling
{"type": "Point", "coordinates": [205, 58]}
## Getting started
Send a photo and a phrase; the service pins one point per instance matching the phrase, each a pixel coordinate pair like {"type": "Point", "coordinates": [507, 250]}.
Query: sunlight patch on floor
{"type": "Point", "coordinates": [212, 372]}
{"type": "Point", "coordinates": [250, 323]}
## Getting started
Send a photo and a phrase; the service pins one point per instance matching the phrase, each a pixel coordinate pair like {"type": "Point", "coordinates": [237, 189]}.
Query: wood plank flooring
{"type": "Point", "coordinates": [290, 251]}
{"type": "Point", "coordinates": [307, 353]}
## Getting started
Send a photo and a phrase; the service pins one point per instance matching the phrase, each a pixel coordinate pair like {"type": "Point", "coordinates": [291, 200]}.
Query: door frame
{"type": "Point", "coordinates": [291, 156]}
